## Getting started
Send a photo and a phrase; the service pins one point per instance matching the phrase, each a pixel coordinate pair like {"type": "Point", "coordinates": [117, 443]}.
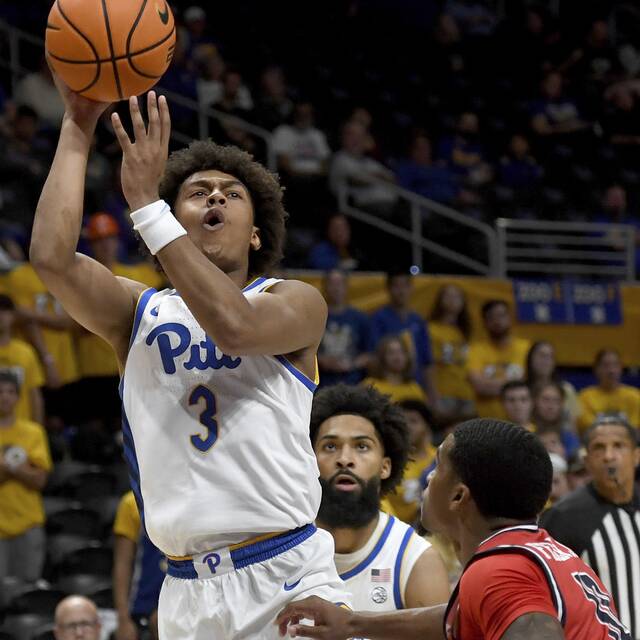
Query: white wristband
{"type": "Point", "coordinates": [156, 225]}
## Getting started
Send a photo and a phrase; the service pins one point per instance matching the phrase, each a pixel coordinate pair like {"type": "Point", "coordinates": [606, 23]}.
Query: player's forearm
{"type": "Point", "coordinates": [215, 301]}
{"type": "Point", "coordinates": [58, 218]}
{"type": "Point", "coordinates": [408, 624]}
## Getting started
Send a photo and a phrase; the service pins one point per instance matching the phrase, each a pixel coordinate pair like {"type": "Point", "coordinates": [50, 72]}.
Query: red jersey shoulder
{"type": "Point", "coordinates": [582, 603]}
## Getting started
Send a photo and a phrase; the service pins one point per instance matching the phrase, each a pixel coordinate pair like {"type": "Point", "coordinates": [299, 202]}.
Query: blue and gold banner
{"type": "Point", "coordinates": [567, 302]}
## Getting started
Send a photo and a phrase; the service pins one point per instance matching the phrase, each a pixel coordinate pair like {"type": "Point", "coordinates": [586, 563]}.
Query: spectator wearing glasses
{"type": "Point", "coordinates": [76, 617]}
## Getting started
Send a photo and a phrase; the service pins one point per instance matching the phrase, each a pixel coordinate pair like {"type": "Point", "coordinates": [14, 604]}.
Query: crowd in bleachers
{"type": "Point", "coordinates": [527, 114]}
{"type": "Point", "coordinates": [533, 115]}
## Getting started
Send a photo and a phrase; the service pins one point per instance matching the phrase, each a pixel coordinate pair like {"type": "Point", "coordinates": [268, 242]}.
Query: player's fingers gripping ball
{"type": "Point", "coordinates": [108, 50]}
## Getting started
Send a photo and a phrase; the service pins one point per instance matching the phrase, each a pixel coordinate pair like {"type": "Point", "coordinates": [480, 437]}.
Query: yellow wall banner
{"type": "Point", "coordinates": [575, 345]}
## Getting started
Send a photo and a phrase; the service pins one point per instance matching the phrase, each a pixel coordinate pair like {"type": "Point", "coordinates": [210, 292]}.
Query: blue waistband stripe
{"type": "Point", "coordinates": [251, 554]}
{"type": "Point", "coordinates": [182, 569]}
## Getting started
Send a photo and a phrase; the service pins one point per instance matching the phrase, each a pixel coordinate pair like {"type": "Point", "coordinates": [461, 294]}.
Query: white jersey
{"type": "Point", "coordinates": [376, 575]}
{"type": "Point", "coordinates": [217, 445]}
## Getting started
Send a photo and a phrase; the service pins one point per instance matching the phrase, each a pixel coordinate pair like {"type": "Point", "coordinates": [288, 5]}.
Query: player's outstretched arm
{"type": "Point", "coordinates": [534, 626]}
{"type": "Point", "coordinates": [287, 319]}
{"type": "Point", "coordinates": [88, 291]}
{"type": "Point", "coordinates": [336, 623]}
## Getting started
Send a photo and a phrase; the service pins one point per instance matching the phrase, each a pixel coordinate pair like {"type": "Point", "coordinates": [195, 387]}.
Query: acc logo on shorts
{"type": "Point", "coordinates": [379, 595]}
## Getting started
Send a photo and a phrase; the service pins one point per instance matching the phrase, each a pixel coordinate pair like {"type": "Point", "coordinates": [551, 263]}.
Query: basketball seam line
{"type": "Point", "coordinates": [116, 75]}
{"type": "Point", "coordinates": [130, 35]}
{"type": "Point", "coordinates": [122, 57]}
{"type": "Point", "coordinates": [91, 46]}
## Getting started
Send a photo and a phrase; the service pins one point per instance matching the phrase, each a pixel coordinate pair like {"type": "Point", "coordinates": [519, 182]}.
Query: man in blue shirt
{"type": "Point", "coordinates": [397, 318]}
{"type": "Point", "coordinates": [344, 352]}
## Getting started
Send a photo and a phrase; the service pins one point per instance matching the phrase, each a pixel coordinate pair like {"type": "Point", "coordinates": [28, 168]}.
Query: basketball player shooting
{"type": "Point", "coordinates": [217, 374]}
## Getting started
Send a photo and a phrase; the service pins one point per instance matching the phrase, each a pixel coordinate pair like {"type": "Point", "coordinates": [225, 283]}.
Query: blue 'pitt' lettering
{"type": "Point", "coordinates": [201, 355]}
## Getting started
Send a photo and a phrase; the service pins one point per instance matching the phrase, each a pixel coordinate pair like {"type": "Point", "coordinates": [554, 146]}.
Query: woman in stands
{"type": "Point", "coordinates": [450, 330]}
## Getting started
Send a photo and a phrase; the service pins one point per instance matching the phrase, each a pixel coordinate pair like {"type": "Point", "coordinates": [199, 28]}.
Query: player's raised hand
{"type": "Point", "coordinates": [83, 111]}
{"type": "Point", "coordinates": [144, 159]}
{"type": "Point", "coordinates": [331, 622]}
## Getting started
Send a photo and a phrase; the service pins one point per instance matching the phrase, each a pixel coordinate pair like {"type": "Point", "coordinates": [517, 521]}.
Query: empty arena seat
{"type": "Point", "coordinates": [54, 504]}
{"type": "Point", "coordinates": [90, 484]}
{"type": "Point", "coordinates": [44, 633]}
{"type": "Point", "coordinates": [39, 598]}
{"type": "Point", "coordinates": [103, 596]}
{"type": "Point", "coordinates": [10, 586]}
{"type": "Point", "coordinates": [62, 544]}
{"type": "Point", "coordinates": [85, 584]}
{"type": "Point", "coordinates": [61, 473]}
{"type": "Point", "coordinates": [105, 507]}
{"type": "Point", "coordinates": [75, 520]}
{"type": "Point", "coordinates": [23, 626]}
{"type": "Point", "coordinates": [94, 559]}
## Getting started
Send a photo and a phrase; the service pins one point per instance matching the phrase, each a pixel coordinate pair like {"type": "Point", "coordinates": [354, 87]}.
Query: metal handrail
{"type": "Point", "coordinates": [548, 240]}
{"type": "Point", "coordinates": [202, 113]}
{"type": "Point", "coordinates": [418, 205]}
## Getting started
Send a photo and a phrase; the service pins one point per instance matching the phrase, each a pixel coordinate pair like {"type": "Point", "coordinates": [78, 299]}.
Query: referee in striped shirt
{"type": "Point", "coordinates": [601, 521]}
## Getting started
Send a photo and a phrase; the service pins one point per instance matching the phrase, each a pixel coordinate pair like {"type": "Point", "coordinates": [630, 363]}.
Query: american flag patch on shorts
{"type": "Point", "coordinates": [380, 575]}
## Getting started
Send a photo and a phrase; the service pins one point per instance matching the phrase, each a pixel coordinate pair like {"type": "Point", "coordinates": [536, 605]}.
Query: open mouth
{"type": "Point", "coordinates": [345, 483]}
{"type": "Point", "coordinates": [213, 220]}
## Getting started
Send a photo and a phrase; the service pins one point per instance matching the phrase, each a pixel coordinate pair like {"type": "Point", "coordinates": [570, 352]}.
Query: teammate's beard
{"type": "Point", "coordinates": [349, 509]}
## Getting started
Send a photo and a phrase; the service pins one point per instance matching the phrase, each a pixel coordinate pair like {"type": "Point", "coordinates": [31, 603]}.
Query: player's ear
{"type": "Point", "coordinates": [255, 242]}
{"type": "Point", "coordinates": [460, 496]}
{"type": "Point", "coordinates": [385, 470]}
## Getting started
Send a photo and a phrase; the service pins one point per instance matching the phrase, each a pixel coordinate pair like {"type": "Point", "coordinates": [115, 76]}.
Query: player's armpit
{"type": "Point", "coordinates": [534, 626]}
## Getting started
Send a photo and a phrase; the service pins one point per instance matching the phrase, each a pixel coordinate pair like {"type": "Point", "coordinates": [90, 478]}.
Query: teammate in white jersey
{"type": "Point", "coordinates": [361, 443]}
{"type": "Point", "coordinates": [217, 374]}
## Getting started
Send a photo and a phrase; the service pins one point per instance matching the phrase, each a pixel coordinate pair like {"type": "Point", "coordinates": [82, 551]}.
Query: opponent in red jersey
{"type": "Point", "coordinates": [491, 481]}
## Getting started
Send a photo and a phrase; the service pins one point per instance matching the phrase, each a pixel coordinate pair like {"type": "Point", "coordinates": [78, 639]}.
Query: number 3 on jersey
{"type": "Point", "coordinates": [207, 418]}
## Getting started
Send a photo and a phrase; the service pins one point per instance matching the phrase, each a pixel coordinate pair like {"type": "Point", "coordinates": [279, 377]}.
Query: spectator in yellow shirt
{"type": "Point", "coordinates": [609, 396]}
{"type": "Point", "coordinates": [20, 359]}
{"type": "Point", "coordinates": [392, 371]}
{"type": "Point", "coordinates": [25, 463]}
{"type": "Point", "coordinates": [99, 400]}
{"type": "Point", "coordinates": [450, 330]}
{"type": "Point", "coordinates": [495, 361]}
{"type": "Point", "coordinates": [405, 501]}
{"type": "Point", "coordinates": [39, 310]}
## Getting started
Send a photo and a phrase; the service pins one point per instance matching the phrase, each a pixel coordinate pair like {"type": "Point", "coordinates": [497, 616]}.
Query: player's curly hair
{"type": "Point", "coordinates": [387, 418]}
{"type": "Point", "coordinates": [506, 467]}
{"type": "Point", "coordinates": [264, 189]}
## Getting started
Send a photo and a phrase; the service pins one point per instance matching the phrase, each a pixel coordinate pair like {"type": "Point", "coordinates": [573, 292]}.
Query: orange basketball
{"type": "Point", "coordinates": [109, 50]}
